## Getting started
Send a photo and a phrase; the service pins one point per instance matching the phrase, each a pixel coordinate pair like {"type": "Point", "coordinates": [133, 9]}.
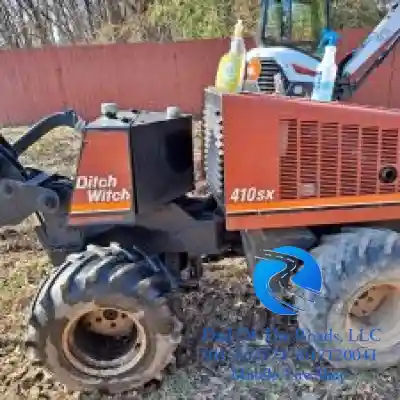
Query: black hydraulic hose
{"type": "Point", "coordinates": [36, 132]}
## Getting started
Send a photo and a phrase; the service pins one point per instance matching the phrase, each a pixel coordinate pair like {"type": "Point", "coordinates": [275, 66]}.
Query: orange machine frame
{"type": "Point", "coordinates": [255, 145]}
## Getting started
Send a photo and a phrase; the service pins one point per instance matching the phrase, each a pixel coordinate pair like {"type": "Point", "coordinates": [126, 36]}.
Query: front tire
{"type": "Point", "coordinates": [361, 290]}
{"type": "Point", "coordinates": [101, 322]}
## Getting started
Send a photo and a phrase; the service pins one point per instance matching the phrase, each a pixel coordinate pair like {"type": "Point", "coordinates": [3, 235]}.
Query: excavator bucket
{"type": "Point", "coordinates": [273, 161]}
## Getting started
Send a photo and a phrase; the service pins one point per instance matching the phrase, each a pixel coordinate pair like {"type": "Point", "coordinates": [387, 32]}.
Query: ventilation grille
{"type": "Point", "coordinates": [269, 68]}
{"type": "Point", "coordinates": [321, 160]}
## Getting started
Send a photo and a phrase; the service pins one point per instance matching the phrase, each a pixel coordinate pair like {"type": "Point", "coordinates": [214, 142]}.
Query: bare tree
{"type": "Point", "coordinates": [35, 23]}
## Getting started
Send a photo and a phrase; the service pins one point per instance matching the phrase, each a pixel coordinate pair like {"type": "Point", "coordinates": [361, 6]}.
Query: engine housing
{"type": "Point", "coordinates": [277, 161]}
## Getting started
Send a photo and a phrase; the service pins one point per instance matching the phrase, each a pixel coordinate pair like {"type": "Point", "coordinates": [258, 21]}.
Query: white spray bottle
{"type": "Point", "coordinates": [325, 79]}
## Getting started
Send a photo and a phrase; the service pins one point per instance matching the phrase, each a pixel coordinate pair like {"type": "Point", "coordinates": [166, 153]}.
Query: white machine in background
{"type": "Point", "coordinates": [287, 44]}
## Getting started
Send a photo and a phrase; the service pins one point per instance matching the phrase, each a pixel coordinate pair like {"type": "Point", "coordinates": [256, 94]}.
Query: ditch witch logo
{"type": "Point", "coordinates": [278, 268]}
{"type": "Point", "coordinates": [102, 190]}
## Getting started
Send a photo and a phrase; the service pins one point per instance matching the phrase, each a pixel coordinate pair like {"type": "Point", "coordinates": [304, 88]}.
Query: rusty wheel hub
{"type": "Point", "coordinates": [105, 341]}
{"type": "Point", "coordinates": [108, 322]}
{"type": "Point", "coordinates": [377, 307]}
{"type": "Point", "coordinates": [369, 301]}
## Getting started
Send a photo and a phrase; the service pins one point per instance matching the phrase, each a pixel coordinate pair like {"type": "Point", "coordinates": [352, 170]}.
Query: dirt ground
{"type": "Point", "coordinates": [226, 300]}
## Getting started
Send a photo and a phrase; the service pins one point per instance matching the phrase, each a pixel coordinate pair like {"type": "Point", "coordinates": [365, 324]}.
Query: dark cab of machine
{"type": "Point", "coordinates": [293, 23]}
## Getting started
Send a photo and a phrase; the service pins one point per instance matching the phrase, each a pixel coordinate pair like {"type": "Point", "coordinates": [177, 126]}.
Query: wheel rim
{"type": "Point", "coordinates": [105, 341]}
{"type": "Point", "coordinates": [376, 306]}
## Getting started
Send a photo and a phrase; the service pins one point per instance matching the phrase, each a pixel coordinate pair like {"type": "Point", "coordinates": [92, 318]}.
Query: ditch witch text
{"type": "Point", "coordinates": [102, 189]}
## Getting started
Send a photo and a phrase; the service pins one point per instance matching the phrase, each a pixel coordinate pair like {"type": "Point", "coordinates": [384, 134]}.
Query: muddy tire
{"type": "Point", "coordinates": [101, 322]}
{"type": "Point", "coordinates": [361, 289]}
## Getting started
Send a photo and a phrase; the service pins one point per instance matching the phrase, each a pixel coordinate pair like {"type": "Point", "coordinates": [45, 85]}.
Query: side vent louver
{"type": "Point", "coordinates": [320, 160]}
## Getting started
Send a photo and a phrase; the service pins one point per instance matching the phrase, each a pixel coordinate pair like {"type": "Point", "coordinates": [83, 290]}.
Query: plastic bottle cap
{"type": "Point", "coordinates": [238, 29]}
{"type": "Point", "coordinates": [332, 38]}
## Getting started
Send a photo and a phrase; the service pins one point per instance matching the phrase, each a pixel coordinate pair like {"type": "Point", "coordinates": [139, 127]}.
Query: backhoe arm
{"type": "Point", "coordinates": [29, 191]}
{"type": "Point", "coordinates": [24, 191]}
{"type": "Point", "coordinates": [359, 64]}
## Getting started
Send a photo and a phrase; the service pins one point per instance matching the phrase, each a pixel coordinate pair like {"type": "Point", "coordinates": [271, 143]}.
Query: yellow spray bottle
{"type": "Point", "coordinates": [231, 68]}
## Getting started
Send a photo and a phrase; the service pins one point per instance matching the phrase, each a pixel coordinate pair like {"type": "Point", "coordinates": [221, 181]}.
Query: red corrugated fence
{"type": "Point", "coordinates": [36, 82]}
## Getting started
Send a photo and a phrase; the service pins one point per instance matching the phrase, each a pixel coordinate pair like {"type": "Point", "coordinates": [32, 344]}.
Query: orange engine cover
{"type": "Point", "coordinates": [295, 162]}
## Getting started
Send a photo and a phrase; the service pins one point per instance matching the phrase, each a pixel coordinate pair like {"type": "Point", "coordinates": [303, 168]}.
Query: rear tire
{"type": "Point", "coordinates": [71, 335]}
{"type": "Point", "coordinates": [361, 289]}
